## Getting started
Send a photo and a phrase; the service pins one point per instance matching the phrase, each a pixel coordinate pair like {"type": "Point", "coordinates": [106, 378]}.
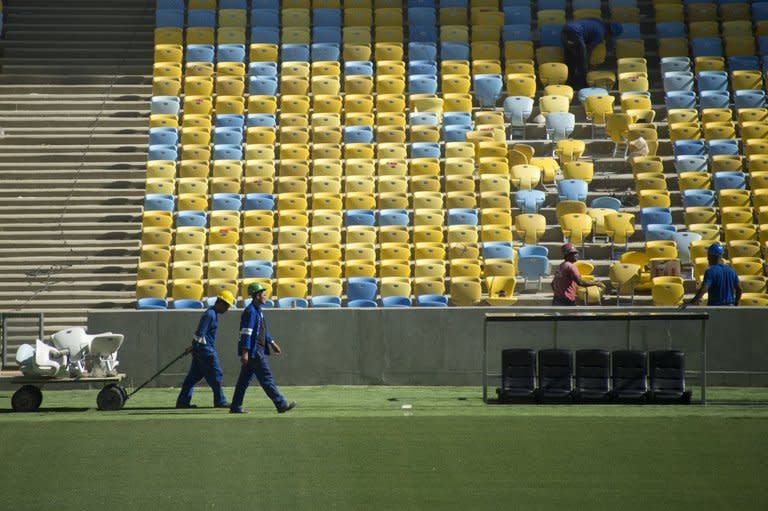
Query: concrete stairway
{"type": "Point", "coordinates": [75, 84]}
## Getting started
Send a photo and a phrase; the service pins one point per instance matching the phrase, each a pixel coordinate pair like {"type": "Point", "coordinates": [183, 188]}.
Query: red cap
{"type": "Point", "coordinates": [569, 248]}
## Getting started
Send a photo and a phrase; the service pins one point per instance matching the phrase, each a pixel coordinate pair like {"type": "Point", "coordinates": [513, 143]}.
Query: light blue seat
{"type": "Point", "coordinates": [655, 215]}
{"type": "Point", "coordinates": [422, 67]}
{"type": "Point", "coordinates": [517, 110]}
{"type": "Point", "coordinates": [759, 11]}
{"type": "Point", "coordinates": [294, 52]}
{"type": "Point", "coordinates": [549, 35]}
{"type": "Point", "coordinates": [421, 3]}
{"type": "Point", "coordinates": [169, 105]}
{"type": "Point", "coordinates": [559, 125]}
{"type": "Point", "coordinates": [362, 304]}
{"type": "Point", "coordinates": [630, 31]}
{"type": "Point", "coordinates": [158, 202]}
{"type": "Point", "coordinates": [326, 17]}
{"type": "Point", "coordinates": [422, 84]}
{"type": "Point", "coordinates": [201, 18]}
{"type": "Point", "coordinates": [533, 268]}
{"type": "Point", "coordinates": [174, 5]}
{"type": "Point", "coordinates": [723, 146]}
{"type": "Point", "coordinates": [683, 147]}
{"type": "Point", "coordinates": [151, 304]}
{"type": "Point", "coordinates": [358, 67]}
{"type": "Point", "coordinates": [230, 120]}
{"type": "Point", "coordinates": [425, 150]}
{"type": "Point", "coordinates": [691, 163]}
{"type": "Point", "coordinates": [262, 69]}
{"type": "Point", "coordinates": [457, 118]}
{"type": "Point", "coordinates": [454, 3]}
{"type": "Point", "coordinates": [256, 268]}
{"type": "Point", "coordinates": [360, 217]}
{"type": "Point", "coordinates": [456, 133]}
{"type": "Point", "coordinates": [163, 136]}
{"type": "Point", "coordinates": [263, 120]}
{"type": "Point", "coordinates": [675, 64]}
{"type": "Point", "coordinates": [529, 201]}
{"type": "Point", "coordinates": [714, 99]}
{"type": "Point", "coordinates": [517, 32]}
{"type": "Point", "coordinates": [622, 3]}
{"type": "Point", "coordinates": [572, 189]}
{"type": "Point", "coordinates": [226, 202]}
{"type": "Point", "coordinates": [656, 232]}
{"type": "Point", "coordinates": [584, 93]}
{"type": "Point", "coordinates": [606, 202]}
{"type": "Point", "coordinates": [265, 18]}
{"type": "Point", "coordinates": [551, 4]}
{"type": "Point", "coordinates": [422, 51]}
{"type": "Point", "coordinates": [532, 250]}
{"type": "Point", "coordinates": [265, 35]}
{"type": "Point", "coordinates": [233, 4]}
{"type": "Point", "coordinates": [358, 134]}
{"type": "Point", "coordinates": [292, 302]}
{"type": "Point", "coordinates": [172, 18]}
{"type": "Point", "coordinates": [188, 304]}
{"type": "Point", "coordinates": [517, 15]}
{"type": "Point", "coordinates": [227, 135]}
{"type": "Point", "coordinates": [227, 152]}
{"type": "Point", "coordinates": [422, 33]}
{"type": "Point", "coordinates": [269, 304]}
{"type": "Point", "coordinates": [683, 241]}
{"type": "Point", "coordinates": [230, 53]}
{"type": "Point", "coordinates": [706, 47]}
{"type": "Point", "coordinates": [454, 51]}
{"type": "Point", "coordinates": [695, 197]}
{"type": "Point", "coordinates": [749, 99]}
{"type": "Point", "coordinates": [393, 217]}
{"type": "Point", "coordinates": [422, 16]}
{"type": "Point", "coordinates": [326, 35]}
{"type": "Point", "coordinates": [325, 302]}
{"type": "Point", "coordinates": [162, 152]}
{"type": "Point", "coordinates": [744, 63]}
{"type": "Point", "coordinates": [361, 288]}
{"type": "Point", "coordinates": [585, 4]}
{"type": "Point", "coordinates": [762, 46]}
{"type": "Point", "coordinates": [200, 53]}
{"type": "Point", "coordinates": [678, 81]}
{"type": "Point", "coordinates": [680, 99]}
{"type": "Point", "coordinates": [325, 52]}
{"type": "Point", "coordinates": [487, 89]}
{"type": "Point", "coordinates": [498, 250]}
{"type": "Point", "coordinates": [462, 216]}
{"type": "Point", "coordinates": [395, 301]}
{"type": "Point", "coordinates": [432, 301]}
{"type": "Point", "coordinates": [713, 80]}
{"type": "Point", "coordinates": [262, 201]}
{"type": "Point", "coordinates": [729, 180]}
{"type": "Point", "coordinates": [424, 118]}
{"type": "Point", "coordinates": [191, 219]}
{"type": "Point", "coordinates": [670, 29]}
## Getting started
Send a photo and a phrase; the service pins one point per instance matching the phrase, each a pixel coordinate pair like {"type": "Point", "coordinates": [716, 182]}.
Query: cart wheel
{"type": "Point", "coordinates": [123, 392]}
{"type": "Point", "coordinates": [110, 398]}
{"type": "Point", "coordinates": [27, 399]}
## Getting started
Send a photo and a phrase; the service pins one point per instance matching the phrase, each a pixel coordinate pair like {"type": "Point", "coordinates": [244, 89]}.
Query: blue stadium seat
{"type": "Point", "coordinates": [256, 268]}
{"type": "Point", "coordinates": [572, 189]}
{"type": "Point", "coordinates": [360, 217]}
{"type": "Point", "coordinates": [292, 302]}
{"type": "Point", "coordinates": [362, 304]}
{"type": "Point", "coordinates": [326, 17]}
{"type": "Point", "coordinates": [517, 15]}
{"type": "Point", "coordinates": [158, 202]}
{"type": "Point", "coordinates": [162, 152]}
{"type": "Point", "coordinates": [432, 301]}
{"type": "Point", "coordinates": [422, 84]}
{"type": "Point", "coordinates": [424, 118]}
{"type": "Point", "coordinates": [454, 51]}
{"type": "Point", "coordinates": [462, 216]}
{"type": "Point", "coordinates": [714, 99]}
{"type": "Point", "coordinates": [325, 52]}
{"type": "Point", "coordinates": [498, 250]}
{"type": "Point", "coordinates": [712, 80]}
{"type": "Point", "coordinates": [517, 32]}
{"type": "Point", "coordinates": [361, 288]}
{"type": "Point", "coordinates": [325, 302]}
{"type": "Point", "coordinates": [681, 147]}
{"type": "Point", "coordinates": [533, 268]}
{"type": "Point", "coordinates": [457, 118]}
{"type": "Point", "coordinates": [163, 136]}
{"type": "Point", "coordinates": [191, 219]}
{"type": "Point", "coordinates": [226, 201]}
{"type": "Point", "coordinates": [393, 217]}
{"type": "Point", "coordinates": [168, 105]}
{"type": "Point", "coordinates": [265, 18]}
{"type": "Point", "coordinates": [744, 63]}
{"type": "Point", "coordinates": [227, 135]}
{"type": "Point", "coordinates": [422, 67]}
{"type": "Point", "coordinates": [422, 51]}
{"type": "Point", "coordinates": [691, 163]}
{"type": "Point", "coordinates": [680, 99]}
{"type": "Point", "coordinates": [294, 52]}
{"type": "Point", "coordinates": [670, 29]}
{"type": "Point", "coordinates": [695, 197]}
{"type": "Point", "coordinates": [262, 69]}
{"type": "Point", "coordinates": [529, 201]}
{"type": "Point", "coordinates": [487, 89]}
{"type": "Point", "coordinates": [227, 152]}
{"type": "Point", "coordinates": [729, 180]}
{"type": "Point", "coordinates": [549, 35]}
{"type": "Point", "coordinates": [262, 85]}
{"type": "Point", "coordinates": [630, 31]}
{"type": "Point", "coordinates": [169, 18]}
{"type": "Point", "coordinates": [584, 93]}
{"type": "Point", "coordinates": [749, 99]}
{"type": "Point", "coordinates": [655, 215]}
{"type": "Point", "coordinates": [425, 150]}
{"type": "Point", "coordinates": [358, 67]}
{"type": "Point", "coordinates": [706, 47]}
{"type": "Point", "coordinates": [174, 5]}
{"type": "Point", "coordinates": [268, 34]}
{"type": "Point", "coordinates": [455, 132]}
{"type": "Point", "coordinates": [532, 250]}
{"type": "Point", "coordinates": [606, 202]}
{"type": "Point", "coordinates": [656, 232]}
{"type": "Point", "coordinates": [230, 53]}
{"type": "Point", "coordinates": [395, 301]}
{"type": "Point", "coordinates": [725, 146]}
{"type": "Point", "coordinates": [201, 18]}
{"type": "Point", "coordinates": [230, 120]}
{"type": "Point", "coordinates": [200, 53]}
{"type": "Point", "coordinates": [151, 304]}
{"type": "Point", "coordinates": [263, 201]}
{"type": "Point", "coordinates": [358, 134]}
{"type": "Point", "coordinates": [329, 35]}
{"type": "Point", "coordinates": [188, 304]}
{"type": "Point", "coordinates": [422, 33]}
{"type": "Point", "coordinates": [422, 16]}
{"type": "Point", "coordinates": [262, 120]}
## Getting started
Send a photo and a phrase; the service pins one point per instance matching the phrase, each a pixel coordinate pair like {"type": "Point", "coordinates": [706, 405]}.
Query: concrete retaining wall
{"type": "Point", "coordinates": [423, 346]}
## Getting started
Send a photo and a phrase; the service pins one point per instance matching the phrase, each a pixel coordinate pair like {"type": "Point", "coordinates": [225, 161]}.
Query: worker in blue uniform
{"type": "Point", "coordinates": [721, 283]}
{"type": "Point", "coordinates": [579, 38]}
{"type": "Point", "coordinates": [205, 359]}
{"type": "Point", "coordinates": [253, 348]}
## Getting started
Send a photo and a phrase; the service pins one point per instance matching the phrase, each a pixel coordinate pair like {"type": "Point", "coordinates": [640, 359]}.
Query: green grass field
{"type": "Point", "coordinates": [353, 448]}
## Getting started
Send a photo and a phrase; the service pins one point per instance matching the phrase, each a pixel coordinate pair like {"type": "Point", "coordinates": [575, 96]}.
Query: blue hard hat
{"type": "Point", "coordinates": [715, 249]}
{"type": "Point", "coordinates": [616, 29]}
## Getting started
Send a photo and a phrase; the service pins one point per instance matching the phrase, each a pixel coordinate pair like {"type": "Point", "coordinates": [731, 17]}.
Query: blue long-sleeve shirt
{"type": "Point", "coordinates": [590, 30]}
{"type": "Point", "coordinates": [251, 321]}
{"type": "Point", "coordinates": [206, 329]}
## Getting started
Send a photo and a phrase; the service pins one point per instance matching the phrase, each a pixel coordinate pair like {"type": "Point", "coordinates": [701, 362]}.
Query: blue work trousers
{"type": "Point", "coordinates": [205, 364]}
{"type": "Point", "coordinates": [257, 367]}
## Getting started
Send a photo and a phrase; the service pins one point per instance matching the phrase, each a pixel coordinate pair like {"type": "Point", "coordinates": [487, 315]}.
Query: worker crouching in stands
{"type": "Point", "coordinates": [567, 278]}
{"type": "Point", "coordinates": [579, 39]}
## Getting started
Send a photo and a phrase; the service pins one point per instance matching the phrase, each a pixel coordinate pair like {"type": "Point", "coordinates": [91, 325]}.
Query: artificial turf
{"type": "Point", "coordinates": [355, 448]}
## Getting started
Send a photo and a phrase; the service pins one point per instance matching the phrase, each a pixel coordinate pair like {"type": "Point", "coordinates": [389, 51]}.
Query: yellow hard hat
{"type": "Point", "coordinates": [227, 297]}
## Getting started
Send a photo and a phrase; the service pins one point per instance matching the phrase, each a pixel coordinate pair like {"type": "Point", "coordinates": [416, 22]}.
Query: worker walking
{"type": "Point", "coordinates": [579, 39]}
{"type": "Point", "coordinates": [720, 281]}
{"type": "Point", "coordinates": [205, 359]}
{"type": "Point", "coordinates": [253, 348]}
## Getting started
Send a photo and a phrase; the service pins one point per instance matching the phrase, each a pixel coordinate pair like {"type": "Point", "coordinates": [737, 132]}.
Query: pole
{"type": "Point", "coordinates": [485, 360]}
{"type": "Point", "coordinates": [169, 364]}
